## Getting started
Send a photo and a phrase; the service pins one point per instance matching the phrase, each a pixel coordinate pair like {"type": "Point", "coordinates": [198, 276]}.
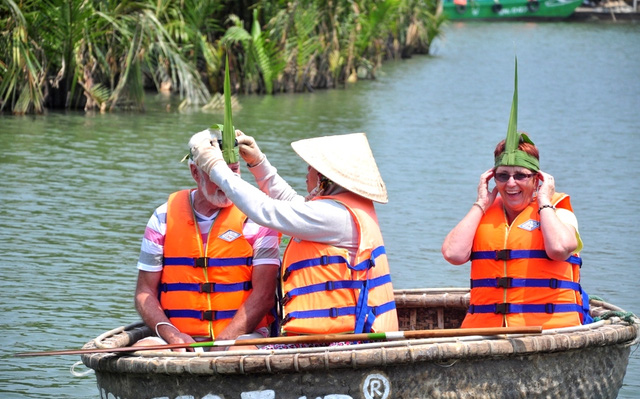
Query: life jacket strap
{"type": "Point", "coordinates": [205, 287]}
{"type": "Point", "coordinates": [202, 315]}
{"type": "Point", "coordinates": [334, 259]}
{"type": "Point", "coordinates": [336, 312]}
{"type": "Point", "coordinates": [509, 254]}
{"type": "Point", "coordinates": [506, 308]}
{"type": "Point", "coordinates": [207, 262]}
{"type": "Point", "coordinates": [334, 285]}
{"type": "Point", "coordinates": [509, 282]}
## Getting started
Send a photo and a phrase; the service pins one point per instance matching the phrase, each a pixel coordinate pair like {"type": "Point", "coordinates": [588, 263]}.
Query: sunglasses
{"type": "Point", "coordinates": [504, 177]}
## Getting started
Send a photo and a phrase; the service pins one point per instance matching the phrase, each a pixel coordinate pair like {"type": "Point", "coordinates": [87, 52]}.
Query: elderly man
{"type": "Point", "coordinates": [205, 270]}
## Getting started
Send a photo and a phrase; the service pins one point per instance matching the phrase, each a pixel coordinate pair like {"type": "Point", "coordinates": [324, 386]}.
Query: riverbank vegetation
{"type": "Point", "coordinates": [104, 54]}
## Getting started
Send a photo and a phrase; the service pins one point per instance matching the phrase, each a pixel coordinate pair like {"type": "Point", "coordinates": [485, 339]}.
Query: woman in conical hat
{"type": "Point", "coordinates": [329, 282]}
{"type": "Point", "coordinates": [523, 242]}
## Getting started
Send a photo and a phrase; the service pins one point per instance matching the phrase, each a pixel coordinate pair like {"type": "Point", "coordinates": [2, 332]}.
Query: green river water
{"type": "Point", "coordinates": [76, 190]}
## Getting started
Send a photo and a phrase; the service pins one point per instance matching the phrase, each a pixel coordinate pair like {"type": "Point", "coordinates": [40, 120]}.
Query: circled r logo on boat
{"type": "Point", "coordinates": [376, 386]}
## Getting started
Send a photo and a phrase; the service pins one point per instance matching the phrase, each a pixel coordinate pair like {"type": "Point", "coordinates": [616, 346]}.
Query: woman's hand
{"type": "Point", "coordinates": [486, 198]}
{"type": "Point", "coordinates": [547, 188]}
{"type": "Point", "coordinates": [249, 150]}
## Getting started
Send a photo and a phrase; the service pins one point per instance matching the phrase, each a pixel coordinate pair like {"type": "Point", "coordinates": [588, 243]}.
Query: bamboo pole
{"type": "Point", "coordinates": [305, 339]}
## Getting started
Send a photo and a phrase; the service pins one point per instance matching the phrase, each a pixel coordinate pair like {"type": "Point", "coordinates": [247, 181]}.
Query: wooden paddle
{"type": "Point", "coordinates": [305, 339]}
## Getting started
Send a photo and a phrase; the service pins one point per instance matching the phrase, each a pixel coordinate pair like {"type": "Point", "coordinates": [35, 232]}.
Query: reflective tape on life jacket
{"type": "Point", "coordinates": [509, 282]}
{"type": "Point", "coordinates": [509, 254]}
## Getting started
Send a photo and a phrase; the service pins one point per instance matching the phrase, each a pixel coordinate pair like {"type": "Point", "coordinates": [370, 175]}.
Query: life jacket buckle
{"type": "Point", "coordinates": [553, 283]}
{"type": "Point", "coordinates": [504, 282]}
{"type": "Point", "coordinates": [502, 308]}
{"type": "Point", "coordinates": [372, 262]}
{"type": "Point", "coordinates": [549, 308]}
{"type": "Point", "coordinates": [285, 299]}
{"type": "Point", "coordinates": [250, 261]}
{"type": "Point", "coordinates": [329, 286]}
{"type": "Point", "coordinates": [208, 315]}
{"type": "Point", "coordinates": [200, 262]}
{"type": "Point", "coordinates": [503, 254]}
{"type": "Point", "coordinates": [207, 288]}
{"type": "Point", "coordinates": [324, 260]}
{"type": "Point", "coordinates": [246, 286]}
{"type": "Point", "coordinates": [286, 274]}
{"type": "Point", "coordinates": [333, 313]}
{"type": "Point", "coordinates": [163, 287]}
{"type": "Point", "coordinates": [286, 319]}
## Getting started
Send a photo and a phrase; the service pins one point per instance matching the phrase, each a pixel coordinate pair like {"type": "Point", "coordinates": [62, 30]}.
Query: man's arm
{"type": "Point", "coordinates": [258, 304]}
{"type": "Point", "coordinates": [148, 306]}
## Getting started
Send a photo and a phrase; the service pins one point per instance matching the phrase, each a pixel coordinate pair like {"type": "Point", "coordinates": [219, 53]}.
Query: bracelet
{"type": "Point", "coordinates": [546, 206]}
{"type": "Point", "coordinates": [479, 206]}
{"type": "Point", "coordinates": [166, 324]}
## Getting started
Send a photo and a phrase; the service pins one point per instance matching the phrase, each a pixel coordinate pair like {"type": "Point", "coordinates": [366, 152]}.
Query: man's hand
{"type": "Point", "coordinates": [249, 150]}
{"type": "Point", "coordinates": [205, 151]}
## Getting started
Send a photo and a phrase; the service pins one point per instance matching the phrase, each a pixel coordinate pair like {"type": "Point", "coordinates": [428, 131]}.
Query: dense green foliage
{"type": "Point", "coordinates": [103, 54]}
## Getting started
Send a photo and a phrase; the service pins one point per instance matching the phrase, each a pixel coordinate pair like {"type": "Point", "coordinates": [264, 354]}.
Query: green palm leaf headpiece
{"type": "Point", "coordinates": [512, 156]}
{"type": "Point", "coordinates": [228, 144]}
{"type": "Point", "coordinates": [229, 148]}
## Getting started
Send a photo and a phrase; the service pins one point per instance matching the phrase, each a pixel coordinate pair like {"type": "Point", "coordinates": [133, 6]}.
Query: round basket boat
{"type": "Point", "coordinates": [587, 362]}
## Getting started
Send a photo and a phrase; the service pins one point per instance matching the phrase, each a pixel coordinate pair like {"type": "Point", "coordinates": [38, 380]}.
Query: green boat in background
{"type": "Point", "coordinates": [508, 9]}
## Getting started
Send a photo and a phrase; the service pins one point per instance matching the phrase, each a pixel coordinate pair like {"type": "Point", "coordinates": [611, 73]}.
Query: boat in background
{"type": "Point", "coordinates": [587, 361]}
{"type": "Point", "coordinates": [509, 9]}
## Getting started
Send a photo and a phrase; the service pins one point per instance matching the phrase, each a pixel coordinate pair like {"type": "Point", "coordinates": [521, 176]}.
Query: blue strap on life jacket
{"type": "Point", "coordinates": [334, 259]}
{"type": "Point", "coordinates": [506, 308]}
{"type": "Point", "coordinates": [336, 312]}
{"type": "Point", "coordinates": [209, 315]}
{"type": "Point", "coordinates": [508, 282]}
{"type": "Point", "coordinates": [362, 308]}
{"type": "Point", "coordinates": [371, 262]}
{"type": "Point", "coordinates": [375, 311]}
{"type": "Point", "coordinates": [335, 285]}
{"type": "Point", "coordinates": [586, 316]}
{"type": "Point", "coordinates": [320, 261]}
{"type": "Point", "coordinates": [509, 254]}
{"type": "Point", "coordinates": [207, 262]}
{"type": "Point", "coordinates": [205, 287]}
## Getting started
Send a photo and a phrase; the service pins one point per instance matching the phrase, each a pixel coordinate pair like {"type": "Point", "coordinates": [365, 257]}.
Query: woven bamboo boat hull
{"type": "Point", "coordinates": [586, 362]}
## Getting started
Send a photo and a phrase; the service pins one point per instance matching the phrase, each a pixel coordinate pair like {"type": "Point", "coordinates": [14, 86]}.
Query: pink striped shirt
{"type": "Point", "coordinates": [265, 241]}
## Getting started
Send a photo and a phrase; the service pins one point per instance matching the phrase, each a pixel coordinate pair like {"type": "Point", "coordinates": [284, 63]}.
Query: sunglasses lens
{"type": "Point", "coordinates": [502, 177]}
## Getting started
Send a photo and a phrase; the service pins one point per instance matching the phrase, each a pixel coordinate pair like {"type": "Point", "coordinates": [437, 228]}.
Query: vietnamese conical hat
{"type": "Point", "coordinates": [346, 160]}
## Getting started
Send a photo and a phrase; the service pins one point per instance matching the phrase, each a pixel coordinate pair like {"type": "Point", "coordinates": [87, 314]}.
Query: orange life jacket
{"type": "Point", "coordinates": [513, 281]}
{"type": "Point", "coordinates": [324, 293]}
{"type": "Point", "coordinates": [201, 293]}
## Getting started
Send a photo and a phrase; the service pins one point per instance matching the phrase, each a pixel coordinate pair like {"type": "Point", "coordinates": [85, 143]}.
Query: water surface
{"type": "Point", "coordinates": [76, 190]}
